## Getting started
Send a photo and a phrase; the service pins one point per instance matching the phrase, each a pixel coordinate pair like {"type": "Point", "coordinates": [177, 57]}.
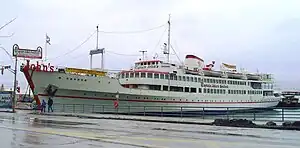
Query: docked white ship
{"type": "Point", "coordinates": [155, 83]}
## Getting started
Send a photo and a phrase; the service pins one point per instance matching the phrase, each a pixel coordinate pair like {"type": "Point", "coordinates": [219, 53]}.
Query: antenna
{"type": "Point", "coordinates": [143, 52]}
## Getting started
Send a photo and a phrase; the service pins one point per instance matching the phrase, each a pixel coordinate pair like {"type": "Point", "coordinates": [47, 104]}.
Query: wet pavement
{"type": "Point", "coordinates": [23, 130]}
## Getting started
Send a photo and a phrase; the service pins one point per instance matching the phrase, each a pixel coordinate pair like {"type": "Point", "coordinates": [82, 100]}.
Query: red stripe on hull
{"type": "Point", "coordinates": [154, 101]}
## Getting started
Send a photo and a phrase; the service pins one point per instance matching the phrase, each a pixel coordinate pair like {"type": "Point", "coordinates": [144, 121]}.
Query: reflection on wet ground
{"type": "Point", "coordinates": [37, 131]}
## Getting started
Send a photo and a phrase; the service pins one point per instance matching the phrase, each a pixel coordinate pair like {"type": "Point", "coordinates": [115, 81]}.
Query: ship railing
{"type": "Point", "coordinates": [258, 114]}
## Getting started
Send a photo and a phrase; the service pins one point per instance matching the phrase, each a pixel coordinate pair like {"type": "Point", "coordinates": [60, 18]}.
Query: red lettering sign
{"type": "Point", "coordinates": [40, 67]}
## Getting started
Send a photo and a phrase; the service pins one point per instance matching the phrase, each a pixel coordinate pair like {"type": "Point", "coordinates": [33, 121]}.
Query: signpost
{"type": "Point", "coordinates": [25, 53]}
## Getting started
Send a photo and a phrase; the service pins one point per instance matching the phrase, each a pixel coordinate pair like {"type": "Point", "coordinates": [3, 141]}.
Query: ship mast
{"type": "Point", "coordinates": [143, 52]}
{"type": "Point", "coordinates": [169, 26]}
{"type": "Point", "coordinates": [97, 51]}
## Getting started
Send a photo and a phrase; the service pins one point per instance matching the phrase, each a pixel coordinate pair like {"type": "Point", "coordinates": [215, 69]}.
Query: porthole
{"type": "Point", "coordinates": [59, 77]}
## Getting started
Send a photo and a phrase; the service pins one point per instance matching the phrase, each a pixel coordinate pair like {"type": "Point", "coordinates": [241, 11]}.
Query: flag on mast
{"type": "Point", "coordinates": [48, 39]}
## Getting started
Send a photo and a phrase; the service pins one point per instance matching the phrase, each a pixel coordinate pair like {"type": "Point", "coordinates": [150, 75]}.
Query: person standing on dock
{"type": "Point", "coordinates": [50, 103]}
{"type": "Point", "coordinates": [44, 106]}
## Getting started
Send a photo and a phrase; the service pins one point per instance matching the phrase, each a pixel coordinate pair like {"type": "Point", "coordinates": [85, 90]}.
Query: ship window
{"type": "Point", "coordinates": [186, 89]}
{"type": "Point", "coordinates": [162, 76]}
{"type": "Point", "coordinates": [126, 75]}
{"type": "Point", "coordinates": [187, 78]}
{"type": "Point", "coordinates": [67, 78]}
{"type": "Point", "coordinates": [156, 76]}
{"type": "Point", "coordinates": [148, 63]}
{"type": "Point", "coordinates": [131, 75]}
{"type": "Point", "coordinates": [153, 63]}
{"type": "Point", "coordinates": [199, 90]}
{"type": "Point", "coordinates": [137, 75]}
{"type": "Point", "coordinates": [224, 91]}
{"type": "Point", "coordinates": [199, 80]}
{"type": "Point", "coordinates": [71, 79]}
{"type": "Point", "coordinates": [171, 77]}
{"type": "Point", "coordinates": [204, 90]}
{"type": "Point", "coordinates": [208, 90]}
{"type": "Point", "coordinates": [195, 79]}
{"type": "Point", "coordinates": [143, 75]}
{"type": "Point", "coordinates": [183, 78]}
{"type": "Point", "coordinates": [175, 77]}
{"type": "Point", "coordinates": [123, 75]}
{"type": "Point", "coordinates": [165, 88]}
{"type": "Point", "coordinates": [192, 79]}
{"type": "Point", "coordinates": [193, 90]}
{"type": "Point", "coordinates": [215, 91]}
{"type": "Point", "coordinates": [244, 91]}
{"type": "Point", "coordinates": [218, 91]}
{"type": "Point", "coordinates": [240, 92]}
{"type": "Point", "coordinates": [229, 92]}
{"type": "Point", "coordinates": [166, 76]}
{"type": "Point", "coordinates": [84, 79]}
{"type": "Point", "coordinates": [149, 75]}
{"type": "Point", "coordinates": [213, 81]}
{"type": "Point", "coordinates": [59, 77]}
{"type": "Point", "coordinates": [179, 78]}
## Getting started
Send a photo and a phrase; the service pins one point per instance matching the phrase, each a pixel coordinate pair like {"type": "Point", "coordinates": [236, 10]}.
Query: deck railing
{"type": "Point", "coordinates": [259, 114]}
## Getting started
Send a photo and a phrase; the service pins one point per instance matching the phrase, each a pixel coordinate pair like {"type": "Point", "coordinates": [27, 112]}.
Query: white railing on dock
{"type": "Point", "coordinates": [260, 114]}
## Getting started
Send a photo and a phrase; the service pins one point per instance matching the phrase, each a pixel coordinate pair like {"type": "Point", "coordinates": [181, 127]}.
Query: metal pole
{"type": "Point", "coordinates": [15, 84]}
{"type": "Point", "coordinates": [45, 48]}
{"type": "Point", "coordinates": [91, 62]}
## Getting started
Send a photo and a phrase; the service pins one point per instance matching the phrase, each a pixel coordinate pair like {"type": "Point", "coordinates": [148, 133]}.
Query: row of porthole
{"type": "Point", "coordinates": [74, 79]}
{"type": "Point", "coordinates": [193, 100]}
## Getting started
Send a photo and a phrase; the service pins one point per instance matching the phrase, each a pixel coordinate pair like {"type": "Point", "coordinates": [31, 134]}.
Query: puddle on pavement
{"type": "Point", "coordinates": [43, 121]}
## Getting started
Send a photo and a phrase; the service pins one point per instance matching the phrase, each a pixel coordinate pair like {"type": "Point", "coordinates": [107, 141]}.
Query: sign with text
{"type": "Point", "coordinates": [27, 53]}
{"type": "Point", "coordinates": [5, 99]}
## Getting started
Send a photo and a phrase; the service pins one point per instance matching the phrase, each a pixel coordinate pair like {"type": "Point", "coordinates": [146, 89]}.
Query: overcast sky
{"type": "Point", "coordinates": [253, 34]}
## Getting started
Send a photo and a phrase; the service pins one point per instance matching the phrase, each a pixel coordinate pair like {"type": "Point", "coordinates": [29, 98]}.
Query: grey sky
{"type": "Point", "coordinates": [254, 34]}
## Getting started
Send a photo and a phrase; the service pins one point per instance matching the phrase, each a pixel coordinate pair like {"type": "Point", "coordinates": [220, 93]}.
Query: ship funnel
{"type": "Point", "coordinates": [193, 62]}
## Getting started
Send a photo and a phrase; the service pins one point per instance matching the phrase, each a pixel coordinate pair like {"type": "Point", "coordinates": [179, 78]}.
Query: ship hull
{"type": "Point", "coordinates": [97, 94]}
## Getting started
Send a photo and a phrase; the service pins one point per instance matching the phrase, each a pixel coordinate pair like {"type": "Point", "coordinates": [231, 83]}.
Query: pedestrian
{"type": "Point", "coordinates": [44, 106]}
{"type": "Point", "coordinates": [50, 103]}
